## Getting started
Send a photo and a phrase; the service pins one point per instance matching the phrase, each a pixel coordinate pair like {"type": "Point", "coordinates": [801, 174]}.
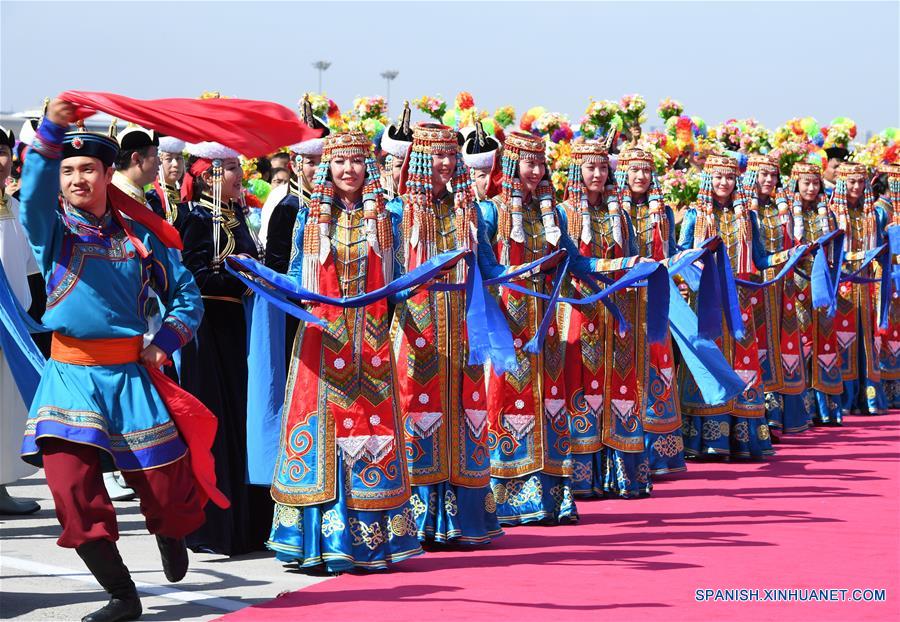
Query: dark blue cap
{"type": "Point", "coordinates": [90, 145]}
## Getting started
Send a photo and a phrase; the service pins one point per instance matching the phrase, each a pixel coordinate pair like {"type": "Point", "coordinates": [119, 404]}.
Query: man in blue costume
{"type": "Point", "coordinates": [97, 408]}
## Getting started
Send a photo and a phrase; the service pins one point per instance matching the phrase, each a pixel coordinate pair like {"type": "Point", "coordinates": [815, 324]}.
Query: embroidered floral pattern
{"type": "Point", "coordinates": [371, 535]}
{"type": "Point", "coordinates": [418, 506]}
{"type": "Point", "coordinates": [669, 445]}
{"type": "Point", "coordinates": [403, 524]}
{"type": "Point", "coordinates": [742, 431]}
{"type": "Point", "coordinates": [332, 523]}
{"type": "Point", "coordinates": [519, 492]}
{"type": "Point", "coordinates": [287, 515]}
{"type": "Point", "coordinates": [450, 503]}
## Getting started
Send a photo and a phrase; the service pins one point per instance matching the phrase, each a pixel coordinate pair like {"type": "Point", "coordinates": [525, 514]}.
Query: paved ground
{"type": "Point", "coordinates": [41, 581]}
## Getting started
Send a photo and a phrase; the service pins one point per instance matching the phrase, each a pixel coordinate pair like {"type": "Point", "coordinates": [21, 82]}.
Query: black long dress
{"type": "Point", "coordinates": [214, 369]}
{"type": "Point", "coordinates": [279, 245]}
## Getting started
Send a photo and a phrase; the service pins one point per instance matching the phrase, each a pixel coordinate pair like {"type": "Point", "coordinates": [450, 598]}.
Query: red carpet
{"type": "Point", "coordinates": [823, 513]}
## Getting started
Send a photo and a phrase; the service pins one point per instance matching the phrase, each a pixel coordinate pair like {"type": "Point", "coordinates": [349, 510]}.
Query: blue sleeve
{"type": "Point", "coordinates": [394, 209]}
{"type": "Point", "coordinates": [179, 294]}
{"type": "Point", "coordinates": [632, 236]}
{"type": "Point", "coordinates": [487, 231]}
{"type": "Point", "coordinates": [761, 258]}
{"type": "Point", "coordinates": [673, 246]}
{"type": "Point", "coordinates": [881, 221]}
{"type": "Point", "coordinates": [39, 196]}
{"type": "Point", "coordinates": [686, 239]}
{"type": "Point", "coordinates": [295, 267]}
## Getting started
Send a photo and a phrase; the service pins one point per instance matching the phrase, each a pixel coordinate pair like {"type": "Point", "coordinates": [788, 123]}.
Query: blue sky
{"type": "Point", "coordinates": [770, 60]}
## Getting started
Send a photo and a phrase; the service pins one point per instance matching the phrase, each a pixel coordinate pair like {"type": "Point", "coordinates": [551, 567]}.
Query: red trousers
{"type": "Point", "coordinates": [169, 500]}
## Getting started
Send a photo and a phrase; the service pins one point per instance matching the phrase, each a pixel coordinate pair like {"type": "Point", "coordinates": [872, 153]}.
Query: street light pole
{"type": "Point", "coordinates": [321, 65]}
{"type": "Point", "coordinates": [389, 75]}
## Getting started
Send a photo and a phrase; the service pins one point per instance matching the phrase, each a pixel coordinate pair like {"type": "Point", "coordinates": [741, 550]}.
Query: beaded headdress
{"type": "Point", "coordinates": [416, 185]}
{"type": "Point", "coordinates": [576, 197]}
{"type": "Point", "coordinates": [788, 198]}
{"type": "Point", "coordinates": [518, 146]}
{"type": "Point", "coordinates": [839, 203]}
{"type": "Point", "coordinates": [317, 235]}
{"type": "Point", "coordinates": [634, 158]}
{"type": "Point", "coordinates": [705, 226]}
{"type": "Point", "coordinates": [716, 163]}
{"type": "Point", "coordinates": [891, 170]}
{"type": "Point", "coordinates": [893, 189]}
{"type": "Point", "coordinates": [757, 162]}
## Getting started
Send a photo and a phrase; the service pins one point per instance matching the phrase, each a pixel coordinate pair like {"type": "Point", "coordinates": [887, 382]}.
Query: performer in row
{"type": "Point", "coordinates": [804, 197]}
{"type": "Point", "coordinates": [863, 223]}
{"type": "Point", "coordinates": [167, 185]}
{"type": "Point", "coordinates": [654, 225]}
{"type": "Point", "coordinates": [736, 428]}
{"type": "Point", "coordinates": [888, 193]}
{"type": "Point", "coordinates": [775, 313]}
{"type": "Point", "coordinates": [441, 396]}
{"type": "Point", "coordinates": [528, 423]}
{"type": "Point", "coordinates": [341, 483]}
{"type": "Point", "coordinates": [606, 367]}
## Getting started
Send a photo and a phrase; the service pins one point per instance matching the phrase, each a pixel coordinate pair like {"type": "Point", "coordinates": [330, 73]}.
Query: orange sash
{"type": "Point", "coordinates": [196, 424]}
{"type": "Point", "coordinates": [91, 352]}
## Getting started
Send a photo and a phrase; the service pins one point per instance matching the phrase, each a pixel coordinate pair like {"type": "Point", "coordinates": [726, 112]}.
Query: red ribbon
{"type": "Point", "coordinates": [253, 128]}
{"type": "Point", "coordinates": [197, 427]}
{"type": "Point", "coordinates": [120, 203]}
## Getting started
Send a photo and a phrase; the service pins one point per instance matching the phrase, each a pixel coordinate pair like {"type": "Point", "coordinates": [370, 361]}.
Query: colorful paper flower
{"type": "Point", "coordinates": [505, 116]}
{"type": "Point", "coordinates": [464, 100]}
{"type": "Point", "coordinates": [680, 188]}
{"type": "Point", "coordinates": [839, 134]}
{"type": "Point", "coordinates": [669, 108]}
{"type": "Point", "coordinates": [434, 107]}
{"type": "Point", "coordinates": [374, 107]}
{"type": "Point", "coordinates": [600, 117]}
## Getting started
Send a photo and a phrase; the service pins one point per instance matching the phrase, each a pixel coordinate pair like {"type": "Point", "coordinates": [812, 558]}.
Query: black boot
{"type": "Point", "coordinates": [103, 560]}
{"type": "Point", "coordinates": [174, 557]}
